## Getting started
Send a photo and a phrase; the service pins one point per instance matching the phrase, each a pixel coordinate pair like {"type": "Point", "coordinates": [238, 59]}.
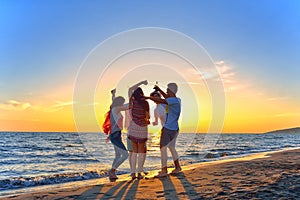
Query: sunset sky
{"type": "Point", "coordinates": [255, 46]}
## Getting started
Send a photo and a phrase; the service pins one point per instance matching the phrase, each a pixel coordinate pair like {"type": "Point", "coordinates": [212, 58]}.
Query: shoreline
{"type": "Point", "coordinates": [76, 189]}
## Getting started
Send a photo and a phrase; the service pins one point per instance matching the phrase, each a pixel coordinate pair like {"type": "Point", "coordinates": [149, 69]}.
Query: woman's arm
{"type": "Point", "coordinates": [147, 113]}
{"type": "Point", "coordinates": [147, 117]}
{"type": "Point", "coordinates": [122, 108]}
{"type": "Point", "coordinates": [113, 94]}
{"type": "Point", "coordinates": [107, 138]}
{"type": "Point", "coordinates": [157, 100]}
{"type": "Point", "coordinates": [134, 87]}
{"type": "Point", "coordinates": [126, 106]}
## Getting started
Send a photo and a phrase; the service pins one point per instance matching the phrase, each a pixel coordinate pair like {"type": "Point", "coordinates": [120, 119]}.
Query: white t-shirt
{"type": "Point", "coordinates": [172, 113]}
{"type": "Point", "coordinates": [116, 118]}
{"type": "Point", "coordinates": [160, 112]}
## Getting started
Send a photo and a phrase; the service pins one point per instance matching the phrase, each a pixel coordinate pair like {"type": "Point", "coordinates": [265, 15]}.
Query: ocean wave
{"type": "Point", "coordinates": [22, 182]}
{"type": "Point", "coordinates": [31, 155]}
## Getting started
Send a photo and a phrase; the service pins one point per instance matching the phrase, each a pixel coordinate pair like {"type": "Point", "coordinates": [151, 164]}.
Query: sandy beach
{"type": "Point", "coordinates": [262, 176]}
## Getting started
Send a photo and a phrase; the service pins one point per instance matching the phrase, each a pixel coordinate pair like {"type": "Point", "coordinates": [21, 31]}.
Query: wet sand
{"type": "Point", "coordinates": [262, 176]}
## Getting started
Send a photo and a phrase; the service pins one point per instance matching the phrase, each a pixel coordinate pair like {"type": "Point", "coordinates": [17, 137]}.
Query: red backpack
{"type": "Point", "coordinates": [106, 124]}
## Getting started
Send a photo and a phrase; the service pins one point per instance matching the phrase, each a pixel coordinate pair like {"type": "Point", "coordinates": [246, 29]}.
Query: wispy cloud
{"type": "Point", "coordinates": [59, 105]}
{"type": "Point", "coordinates": [15, 105]}
{"type": "Point", "coordinates": [222, 72]}
{"type": "Point", "coordinates": [63, 103]}
{"type": "Point", "coordinates": [227, 72]}
{"type": "Point", "coordinates": [206, 74]}
{"type": "Point", "coordinates": [278, 98]}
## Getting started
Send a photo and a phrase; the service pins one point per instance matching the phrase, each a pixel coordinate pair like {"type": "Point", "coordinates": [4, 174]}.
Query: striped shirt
{"type": "Point", "coordinates": [138, 113]}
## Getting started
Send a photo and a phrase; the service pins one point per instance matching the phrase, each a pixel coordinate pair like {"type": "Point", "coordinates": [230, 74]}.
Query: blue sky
{"type": "Point", "coordinates": [42, 43]}
{"type": "Point", "coordinates": [48, 40]}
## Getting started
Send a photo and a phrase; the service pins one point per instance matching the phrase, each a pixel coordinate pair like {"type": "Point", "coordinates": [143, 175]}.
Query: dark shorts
{"type": "Point", "coordinates": [129, 145]}
{"type": "Point", "coordinates": [116, 140]}
{"type": "Point", "coordinates": [137, 140]}
{"type": "Point", "coordinates": [167, 136]}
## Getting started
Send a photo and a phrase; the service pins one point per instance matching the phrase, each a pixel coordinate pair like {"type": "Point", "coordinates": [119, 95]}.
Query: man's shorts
{"type": "Point", "coordinates": [167, 136]}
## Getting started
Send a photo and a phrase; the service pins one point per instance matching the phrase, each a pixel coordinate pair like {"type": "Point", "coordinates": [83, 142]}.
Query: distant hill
{"type": "Point", "coordinates": [289, 130]}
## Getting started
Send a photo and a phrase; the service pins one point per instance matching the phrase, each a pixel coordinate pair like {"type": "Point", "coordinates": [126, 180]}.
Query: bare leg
{"type": "Point", "coordinates": [174, 156]}
{"type": "Point", "coordinates": [129, 159]}
{"type": "Point", "coordinates": [134, 159]}
{"type": "Point", "coordinates": [141, 158]}
{"type": "Point", "coordinates": [164, 159]}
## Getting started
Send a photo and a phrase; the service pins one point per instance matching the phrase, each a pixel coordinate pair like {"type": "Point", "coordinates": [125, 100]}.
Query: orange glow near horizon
{"type": "Point", "coordinates": [247, 111]}
{"type": "Point", "coordinates": [242, 116]}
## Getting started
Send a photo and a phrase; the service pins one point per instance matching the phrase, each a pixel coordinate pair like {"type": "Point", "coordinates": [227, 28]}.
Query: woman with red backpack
{"type": "Point", "coordinates": [113, 126]}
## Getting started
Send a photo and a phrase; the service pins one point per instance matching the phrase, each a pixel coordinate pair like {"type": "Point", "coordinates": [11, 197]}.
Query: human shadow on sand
{"type": "Point", "coordinates": [169, 191]}
{"type": "Point", "coordinates": [120, 190]}
{"type": "Point", "coordinates": [188, 187]}
{"type": "Point", "coordinates": [128, 190]}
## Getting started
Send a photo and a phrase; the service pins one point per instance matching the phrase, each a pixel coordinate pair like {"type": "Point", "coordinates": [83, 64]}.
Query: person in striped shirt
{"type": "Point", "coordinates": [138, 131]}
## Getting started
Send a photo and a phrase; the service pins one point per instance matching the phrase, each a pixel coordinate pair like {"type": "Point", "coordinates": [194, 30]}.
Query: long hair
{"type": "Point", "coordinates": [138, 95]}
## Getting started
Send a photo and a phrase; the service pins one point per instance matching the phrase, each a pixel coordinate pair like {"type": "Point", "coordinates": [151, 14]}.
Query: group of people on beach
{"type": "Point", "coordinates": [168, 110]}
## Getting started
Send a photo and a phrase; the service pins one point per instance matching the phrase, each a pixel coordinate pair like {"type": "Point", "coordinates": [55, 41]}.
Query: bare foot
{"type": "Point", "coordinates": [176, 170]}
{"type": "Point", "coordinates": [140, 176]}
{"type": "Point", "coordinates": [161, 175]}
{"type": "Point", "coordinates": [145, 172]}
{"type": "Point", "coordinates": [133, 176]}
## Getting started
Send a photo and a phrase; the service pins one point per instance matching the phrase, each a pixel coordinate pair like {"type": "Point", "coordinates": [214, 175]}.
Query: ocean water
{"type": "Point", "coordinates": [36, 159]}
